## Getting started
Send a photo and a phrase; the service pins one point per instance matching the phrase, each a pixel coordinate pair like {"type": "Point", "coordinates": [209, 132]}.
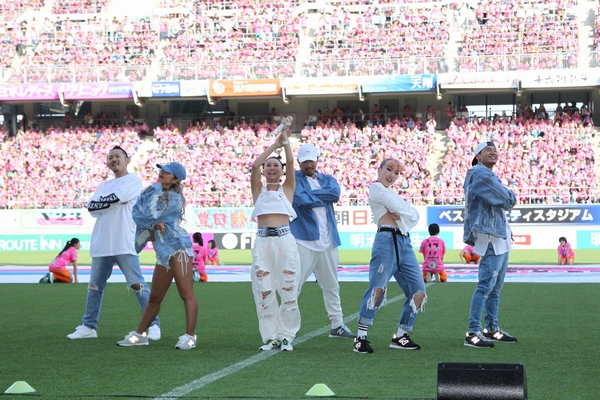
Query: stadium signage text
{"type": "Point", "coordinates": [165, 89]}
{"type": "Point", "coordinates": [249, 87]}
{"type": "Point", "coordinates": [71, 91]}
{"type": "Point", "coordinates": [53, 243]}
{"type": "Point", "coordinates": [559, 78]}
{"type": "Point", "coordinates": [47, 217]}
{"type": "Point", "coordinates": [523, 215]}
{"type": "Point", "coordinates": [399, 83]}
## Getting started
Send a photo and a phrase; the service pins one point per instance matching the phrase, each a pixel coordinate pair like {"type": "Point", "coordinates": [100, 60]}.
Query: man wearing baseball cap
{"type": "Point", "coordinates": [486, 229]}
{"type": "Point", "coordinates": [316, 234]}
{"type": "Point", "coordinates": [113, 242]}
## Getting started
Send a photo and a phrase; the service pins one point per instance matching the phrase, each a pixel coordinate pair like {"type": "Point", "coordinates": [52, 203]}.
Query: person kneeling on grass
{"type": "Point", "coordinates": [200, 253]}
{"type": "Point", "coordinates": [58, 266]}
{"type": "Point", "coordinates": [158, 214]}
{"type": "Point", "coordinates": [433, 249]}
{"type": "Point", "coordinates": [467, 255]}
{"type": "Point", "coordinates": [566, 255]}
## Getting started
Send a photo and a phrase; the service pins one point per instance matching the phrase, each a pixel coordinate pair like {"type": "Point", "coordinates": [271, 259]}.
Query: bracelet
{"type": "Point", "coordinates": [285, 142]}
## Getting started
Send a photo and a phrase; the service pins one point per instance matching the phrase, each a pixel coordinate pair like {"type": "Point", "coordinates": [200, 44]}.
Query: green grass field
{"type": "Point", "coordinates": [347, 257]}
{"type": "Point", "coordinates": [555, 324]}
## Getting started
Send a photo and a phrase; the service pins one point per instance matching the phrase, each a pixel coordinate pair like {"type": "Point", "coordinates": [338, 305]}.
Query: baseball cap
{"type": "Point", "coordinates": [307, 152]}
{"type": "Point", "coordinates": [478, 149]}
{"type": "Point", "coordinates": [174, 168]}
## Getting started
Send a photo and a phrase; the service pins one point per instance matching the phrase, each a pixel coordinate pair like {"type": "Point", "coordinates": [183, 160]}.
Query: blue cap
{"type": "Point", "coordinates": [174, 168]}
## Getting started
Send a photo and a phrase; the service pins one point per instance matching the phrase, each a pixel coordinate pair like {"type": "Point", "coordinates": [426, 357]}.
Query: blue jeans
{"type": "Point", "coordinates": [99, 274]}
{"type": "Point", "coordinates": [382, 267]}
{"type": "Point", "coordinates": [492, 270]}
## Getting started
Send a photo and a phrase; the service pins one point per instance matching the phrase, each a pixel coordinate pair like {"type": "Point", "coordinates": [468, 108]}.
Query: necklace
{"type": "Point", "coordinates": [270, 183]}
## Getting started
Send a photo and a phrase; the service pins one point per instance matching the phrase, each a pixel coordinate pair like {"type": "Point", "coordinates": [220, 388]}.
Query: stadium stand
{"type": "Point", "coordinates": [546, 160]}
{"type": "Point", "coordinates": [385, 40]}
{"type": "Point", "coordinates": [257, 41]}
{"type": "Point", "coordinates": [58, 41]}
{"type": "Point", "coordinates": [58, 167]}
{"type": "Point", "coordinates": [520, 36]}
{"type": "Point", "coordinates": [550, 156]}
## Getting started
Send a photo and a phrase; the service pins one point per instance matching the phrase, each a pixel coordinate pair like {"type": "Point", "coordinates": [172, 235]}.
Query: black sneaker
{"type": "Point", "coordinates": [477, 340]}
{"type": "Point", "coordinates": [361, 345]}
{"type": "Point", "coordinates": [499, 336]}
{"type": "Point", "coordinates": [403, 342]}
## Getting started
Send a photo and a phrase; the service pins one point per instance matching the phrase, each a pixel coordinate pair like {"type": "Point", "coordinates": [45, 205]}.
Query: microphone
{"type": "Point", "coordinates": [287, 121]}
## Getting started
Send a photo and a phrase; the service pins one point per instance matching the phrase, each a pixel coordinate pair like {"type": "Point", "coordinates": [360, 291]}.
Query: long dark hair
{"type": "Point", "coordinates": [69, 244]}
{"type": "Point", "coordinates": [198, 238]}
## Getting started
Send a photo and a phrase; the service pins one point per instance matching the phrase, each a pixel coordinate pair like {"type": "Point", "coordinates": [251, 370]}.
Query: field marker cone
{"type": "Point", "coordinates": [20, 387]}
{"type": "Point", "coordinates": [320, 389]}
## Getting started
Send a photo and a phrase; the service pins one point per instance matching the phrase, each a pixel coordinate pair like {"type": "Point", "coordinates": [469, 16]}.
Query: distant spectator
{"type": "Point", "coordinates": [58, 266]}
{"type": "Point", "coordinates": [433, 249]}
{"type": "Point", "coordinates": [566, 255]}
{"type": "Point", "coordinates": [468, 255]}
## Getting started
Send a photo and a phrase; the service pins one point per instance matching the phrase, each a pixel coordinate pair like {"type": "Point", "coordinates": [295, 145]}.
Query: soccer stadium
{"type": "Point", "coordinates": [205, 83]}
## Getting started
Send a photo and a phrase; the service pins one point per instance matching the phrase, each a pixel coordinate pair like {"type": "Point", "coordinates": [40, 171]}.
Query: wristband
{"type": "Point", "coordinates": [285, 142]}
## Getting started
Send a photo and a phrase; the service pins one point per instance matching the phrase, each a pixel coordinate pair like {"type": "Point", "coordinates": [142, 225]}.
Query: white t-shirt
{"type": "Point", "coordinates": [114, 230]}
{"type": "Point", "coordinates": [500, 245]}
{"type": "Point", "coordinates": [382, 199]}
{"type": "Point", "coordinates": [324, 241]}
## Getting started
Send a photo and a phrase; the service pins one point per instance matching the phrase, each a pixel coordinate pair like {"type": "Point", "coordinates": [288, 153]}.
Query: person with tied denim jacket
{"type": "Point", "coordinates": [486, 228]}
{"type": "Point", "coordinates": [158, 214]}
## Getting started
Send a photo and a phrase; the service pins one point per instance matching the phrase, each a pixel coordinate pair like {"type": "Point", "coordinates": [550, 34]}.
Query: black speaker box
{"type": "Point", "coordinates": [481, 381]}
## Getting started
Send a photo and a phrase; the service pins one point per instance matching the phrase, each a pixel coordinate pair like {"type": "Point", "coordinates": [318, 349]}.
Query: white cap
{"type": "Point", "coordinates": [479, 148]}
{"type": "Point", "coordinates": [307, 152]}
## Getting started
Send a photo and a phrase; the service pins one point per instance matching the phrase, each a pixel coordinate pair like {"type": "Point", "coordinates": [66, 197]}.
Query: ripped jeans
{"type": "Point", "coordinates": [382, 267]}
{"type": "Point", "coordinates": [276, 270]}
{"type": "Point", "coordinates": [492, 271]}
{"type": "Point", "coordinates": [101, 270]}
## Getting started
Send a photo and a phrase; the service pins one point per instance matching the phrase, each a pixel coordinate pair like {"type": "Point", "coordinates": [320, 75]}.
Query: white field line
{"type": "Point", "coordinates": [263, 355]}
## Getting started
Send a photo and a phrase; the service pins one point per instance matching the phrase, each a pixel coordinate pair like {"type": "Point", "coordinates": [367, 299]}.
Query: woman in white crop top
{"type": "Point", "coordinates": [275, 260]}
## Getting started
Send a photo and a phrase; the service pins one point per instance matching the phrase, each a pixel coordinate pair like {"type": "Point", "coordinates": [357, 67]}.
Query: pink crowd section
{"type": "Point", "coordinates": [76, 41]}
{"type": "Point", "coordinates": [547, 161]}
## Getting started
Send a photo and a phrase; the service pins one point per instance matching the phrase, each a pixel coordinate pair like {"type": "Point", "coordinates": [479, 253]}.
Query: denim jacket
{"type": "Point", "coordinates": [486, 203]}
{"type": "Point", "coordinates": [306, 227]}
{"type": "Point", "coordinates": [151, 208]}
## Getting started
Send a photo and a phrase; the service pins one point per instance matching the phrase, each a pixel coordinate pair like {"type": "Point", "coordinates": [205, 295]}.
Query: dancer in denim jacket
{"type": "Point", "coordinates": [486, 229]}
{"type": "Point", "coordinates": [317, 235]}
{"type": "Point", "coordinates": [158, 214]}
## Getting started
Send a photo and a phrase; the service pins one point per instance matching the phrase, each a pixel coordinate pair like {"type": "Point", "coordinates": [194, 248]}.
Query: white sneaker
{"type": "Point", "coordinates": [186, 342]}
{"type": "Point", "coordinates": [286, 345]}
{"type": "Point", "coordinates": [154, 332]}
{"type": "Point", "coordinates": [272, 344]}
{"type": "Point", "coordinates": [134, 339]}
{"type": "Point", "coordinates": [83, 332]}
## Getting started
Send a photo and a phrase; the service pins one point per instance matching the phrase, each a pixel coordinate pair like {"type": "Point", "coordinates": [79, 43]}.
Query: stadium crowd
{"type": "Point", "coordinates": [238, 39]}
{"type": "Point", "coordinates": [371, 42]}
{"type": "Point", "coordinates": [549, 160]}
{"type": "Point", "coordinates": [516, 36]}
{"type": "Point", "coordinates": [544, 160]}
{"type": "Point", "coordinates": [260, 41]}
